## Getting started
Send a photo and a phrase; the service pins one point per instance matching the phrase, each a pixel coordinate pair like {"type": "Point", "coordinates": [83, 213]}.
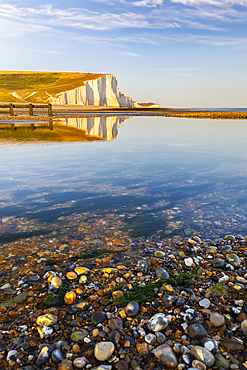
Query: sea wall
{"type": "Point", "coordinates": [102, 91]}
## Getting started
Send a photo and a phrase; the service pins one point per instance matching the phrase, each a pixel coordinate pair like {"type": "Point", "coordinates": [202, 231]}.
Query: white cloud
{"type": "Point", "coordinates": [148, 3]}
{"type": "Point", "coordinates": [220, 3]}
{"type": "Point", "coordinates": [130, 54]}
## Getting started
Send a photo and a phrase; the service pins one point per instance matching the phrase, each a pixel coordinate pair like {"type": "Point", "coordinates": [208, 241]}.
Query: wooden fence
{"type": "Point", "coordinates": [30, 106]}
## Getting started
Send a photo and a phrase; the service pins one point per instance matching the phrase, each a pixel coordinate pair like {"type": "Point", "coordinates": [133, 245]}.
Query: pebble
{"type": "Point", "coordinates": [66, 365]}
{"type": "Point", "coordinates": [80, 362]}
{"type": "Point", "coordinates": [197, 331]}
{"type": "Point", "coordinates": [217, 319]}
{"type": "Point", "coordinates": [104, 350]}
{"type": "Point", "coordinates": [132, 308]}
{"type": "Point", "coordinates": [205, 303]}
{"type": "Point", "coordinates": [166, 356]}
{"type": "Point", "coordinates": [158, 322]}
{"type": "Point", "coordinates": [161, 273]}
{"type": "Point", "coordinates": [98, 317]}
{"type": "Point", "coordinates": [203, 355]}
{"type": "Point", "coordinates": [234, 260]}
{"type": "Point", "coordinates": [244, 327]}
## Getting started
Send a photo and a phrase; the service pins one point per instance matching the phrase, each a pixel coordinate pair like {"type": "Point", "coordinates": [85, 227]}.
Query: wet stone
{"type": "Point", "coordinates": [21, 297]}
{"type": "Point", "coordinates": [12, 354]}
{"type": "Point", "coordinates": [114, 337]}
{"type": "Point", "coordinates": [132, 308]}
{"type": "Point", "coordinates": [78, 335]}
{"type": "Point", "coordinates": [197, 331]}
{"type": "Point", "coordinates": [203, 355]}
{"type": "Point", "coordinates": [160, 337]}
{"type": "Point", "coordinates": [150, 338]}
{"type": "Point", "coordinates": [104, 350]}
{"type": "Point", "coordinates": [57, 356]}
{"type": "Point", "coordinates": [226, 249]}
{"type": "Point", "coordinates": [169, 301]}
{"type": "Point", "coordinates": [120, 365]}
{"type": "Point", "coordinates": [218, 263]}
{"type": "Point", "coordinates": [210, 344]}
{"type": "Point", "coordinates": [220, 361]}
{"type": "Point", "coordinates": [80, 362]}
{"type": "Point", "coordinates": [98, 317]}
{"type": "Point", "coordinates": [158, 322]}
{"type": "Point", "coordinates": [115, 324]}
{"type": "Point", "coordinates": [44, 355]}
{"type": "Point", "coordinates": [66, 365]}
{"type": "Point", "coordinates": [142, 265]}
{"type": "Point", "coordinates": [244, 327]}
{"type": "Point", "coordinates": [234, 260]}
{"type": "Point", "coordinates": [161, 273]}
{"type": "Point", "coordinates": [232, 345]}
{"type": "Point", "coordinates": [166, 356]}
{"type": "Point", "coordinates": [205, 303]}
{"type": "Point", "coordinates": [46, 320]}
{"type": "Point", "coordinates": [217, 319]}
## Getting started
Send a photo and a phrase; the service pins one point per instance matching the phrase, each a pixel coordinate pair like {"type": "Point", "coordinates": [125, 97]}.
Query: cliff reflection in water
{"type": "Point", "coordinates": [102, 127]}
{"type": "Point", "coordinates": [63, 129]}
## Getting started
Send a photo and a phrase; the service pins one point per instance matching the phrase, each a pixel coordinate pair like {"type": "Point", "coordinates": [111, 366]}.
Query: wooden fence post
{"type": "Point", "coordinates": [11, 109]}
{"type": "Point", "coordinates": [31, 109]}
{"type": "Point", "coordinates": [50, 109]}
{"type": "Point", "coordinates": [50, 124]}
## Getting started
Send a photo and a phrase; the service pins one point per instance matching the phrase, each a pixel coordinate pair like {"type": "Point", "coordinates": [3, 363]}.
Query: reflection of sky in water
{"type": "Point", "coordinates": [197, 165]}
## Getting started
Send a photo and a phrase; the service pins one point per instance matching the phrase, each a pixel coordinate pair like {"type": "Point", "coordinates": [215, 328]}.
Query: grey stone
{"type": "Point", "coordinates": [57, 356]}
{"type": "Point", "coordinates": [150, 338]}
{"type": "Point", "coordinates": [205, 303]}
{"type": "Point", "coordinates": [115, 324]}
{"type": "Point", "coordinates": [210, 344]}
{"type": "Point", "coordinates": [120, 365]}
{"type": "Point", "coordinates": [12, 354]}
{"type": "Point", "coordinates": [166, 356]}
{"type": "Point", "coordinates": [21, 297]}
{"type": "Point", "coordinates": [80, 362]}
{"type": "Point", "coordinates": [160, 337]}
{"type": "Point", "coordinates": [232, 345]}
{"type": "Point", "coordinates": [220, 361]}
{"type": "Point", "coordinates": [218, 263]}
{"type": "Point", "coordinates": [114, 337]}
{"type": "Point", "coordinates": [169, 301]}
{"type": "Point", "coordinates": [203, 355]}
{"type": "Point", "coordinates": [158, 322]}
{"type": "Point", "coordinates": [217, 319]}
{"type": "Point", "coordinates": [234, 260]}
{"type": "Point", "coordinates": [161, 273]}
{"type": "Point", "coordinates": [98, 317]}
{"type": "Point", "coordinates": [44, 355]}
{"type": "Point", "coordinates": [132, 308]}
{"type": "Point", "coordinates": [197, 331]}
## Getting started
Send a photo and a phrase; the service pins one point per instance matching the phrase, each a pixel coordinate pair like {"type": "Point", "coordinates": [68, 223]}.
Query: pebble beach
{"type": "Point", "coordinates": [109, 301]}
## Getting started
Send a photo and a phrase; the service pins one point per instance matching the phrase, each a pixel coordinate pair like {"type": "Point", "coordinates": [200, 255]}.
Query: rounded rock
{"type": "Point", "coordinates": [244, 327]}
{"type": "Point", "coordinates": [205, 303]}
{"type": "Point", "coordinates": [132, 308]}
{"type": "Point", "coordinates": [197, 331]}
{"type": "Point", "coordinates": [203, 355]}
{"type": "Point", "coordinates": [70, 298]}
{"type": "Point", "coordinates": [158, 322]}
{"type": "Point", "coordinates": [166, 356]}
{"type": "Point", "coordinates": [217, 319]}
{"type": "Point", "coordinates": [104, 350]}
{"type": "Point", "coordinates": [161, 273]}
{"type": "Point", "coordinates": [98, 317]}
{"type": "Point", "coordinates": [66, 365]}
{"type": "Point", "coordinates": [80, 362]}
{"type": "Point", "coordinates": [57, 356]}
{"type": "Point", "coordinates": [120, 365]}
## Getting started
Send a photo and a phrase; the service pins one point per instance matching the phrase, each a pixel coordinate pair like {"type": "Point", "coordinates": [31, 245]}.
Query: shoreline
{"type": "Point", "coordinates": [95, 111]}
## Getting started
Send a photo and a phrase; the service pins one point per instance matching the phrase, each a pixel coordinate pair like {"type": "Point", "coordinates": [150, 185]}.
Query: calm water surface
{"type": "Point", "coordinates": [165, 176]}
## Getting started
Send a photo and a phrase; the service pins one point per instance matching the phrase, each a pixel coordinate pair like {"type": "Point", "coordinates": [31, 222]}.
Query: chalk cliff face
{"type": "Point", "coordinates": [103, 127]}
{"type": "Point", "coordinates": [102, 91]}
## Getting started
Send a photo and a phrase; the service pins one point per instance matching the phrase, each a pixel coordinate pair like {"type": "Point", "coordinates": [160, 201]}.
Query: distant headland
{"type": "Point", "coordinates": [65, 88]}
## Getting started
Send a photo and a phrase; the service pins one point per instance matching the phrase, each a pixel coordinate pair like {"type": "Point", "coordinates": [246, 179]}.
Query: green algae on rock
{"type": "Point", "coordinates": [219, 288]}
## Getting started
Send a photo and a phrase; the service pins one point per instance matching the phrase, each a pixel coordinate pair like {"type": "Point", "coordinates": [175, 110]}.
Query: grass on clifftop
{"type": "Point", "coordinates": [36, 87]}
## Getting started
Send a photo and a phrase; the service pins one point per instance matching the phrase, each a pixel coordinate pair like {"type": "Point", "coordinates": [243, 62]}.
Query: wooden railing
{"type": "Point", "coordinates": [30, 106]}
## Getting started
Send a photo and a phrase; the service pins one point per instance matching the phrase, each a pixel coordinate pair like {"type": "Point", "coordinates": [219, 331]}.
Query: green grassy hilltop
{"type": "Point", "coordinates": [39, 87]}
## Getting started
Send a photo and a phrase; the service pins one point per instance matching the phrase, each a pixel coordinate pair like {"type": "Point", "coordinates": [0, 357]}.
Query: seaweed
{"type": "Point", "coordinates": [95, 252]}
{"type": "Point", "coordinates": [219, 288]}
{"type": "Point", "coordinates": [52, 262]}
{"type": "Point", "coordinates": [55, 299]}
{"type": "Point", "coordinates": [142, 294]}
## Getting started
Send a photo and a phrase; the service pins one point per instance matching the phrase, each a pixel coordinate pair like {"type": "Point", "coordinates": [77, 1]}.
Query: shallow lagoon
{"type": "Point", "coordinates": [163, 176]}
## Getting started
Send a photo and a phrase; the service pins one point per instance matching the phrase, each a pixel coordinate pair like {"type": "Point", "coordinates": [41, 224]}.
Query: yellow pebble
{"type": "Point", "coordinates": [70, 298]}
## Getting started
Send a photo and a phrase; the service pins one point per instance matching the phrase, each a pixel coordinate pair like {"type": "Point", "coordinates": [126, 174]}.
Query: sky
{"type": "Point", "coordinates": [178, 53]}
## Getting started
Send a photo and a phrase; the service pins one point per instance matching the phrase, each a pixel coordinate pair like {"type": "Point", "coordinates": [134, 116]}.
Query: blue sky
{"type": "Point", "coordinates": [178, 53]}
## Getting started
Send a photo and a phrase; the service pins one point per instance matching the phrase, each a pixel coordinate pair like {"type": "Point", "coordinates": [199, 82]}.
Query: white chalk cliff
{"type": "Point", "coordinates": [102, 91]}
